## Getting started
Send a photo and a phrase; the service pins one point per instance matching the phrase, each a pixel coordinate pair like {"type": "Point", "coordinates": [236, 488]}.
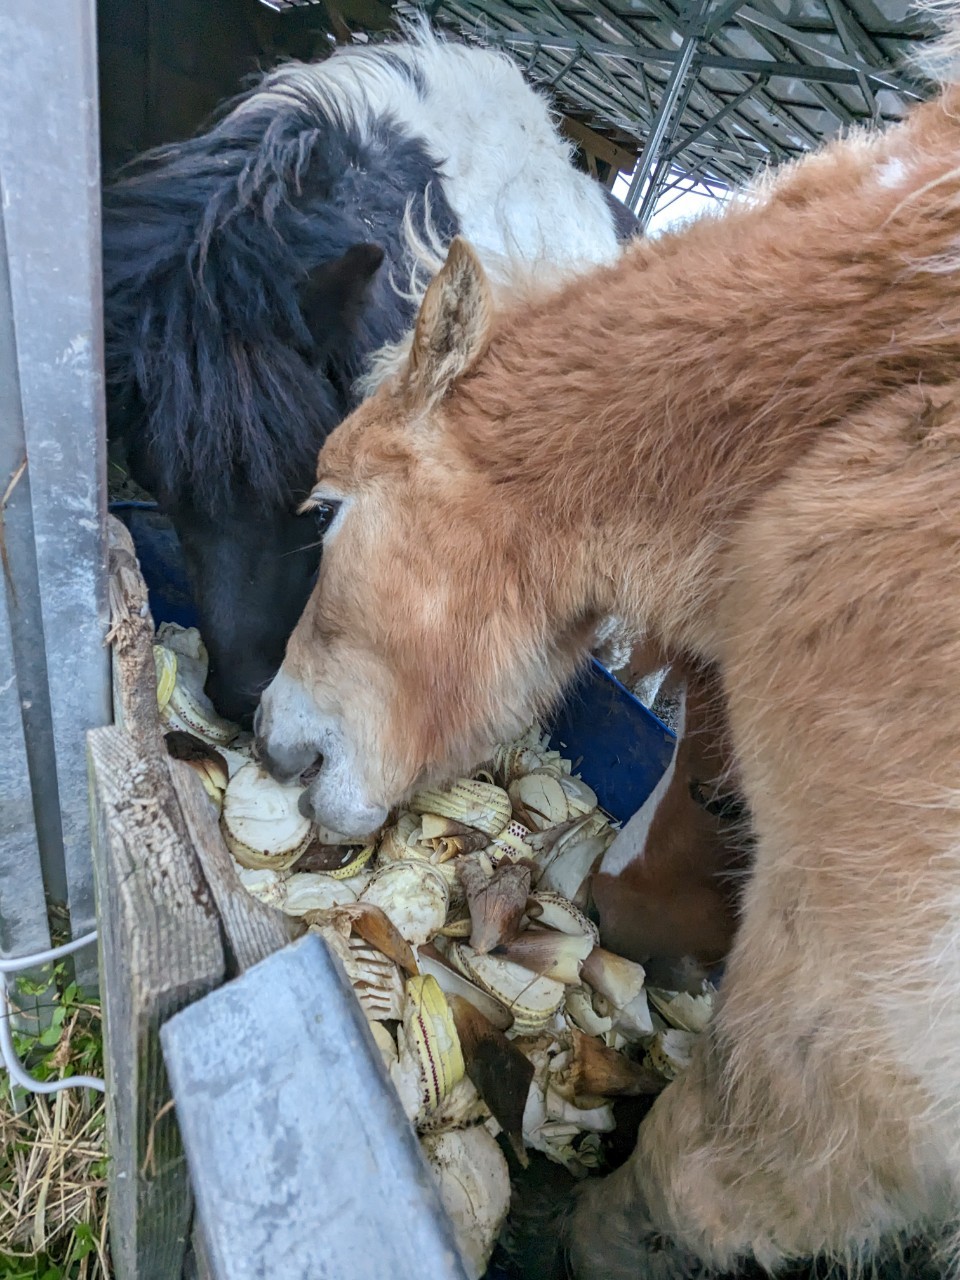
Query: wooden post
{"type": "Point", "coordinates": [159, 950]}
{"type": "Point", "coordinates": [131, 638]}
{"type": "Point", "coordinates": [164, 879]}
{"type": "Point", "coordinates": [251, 930]}
{"type": "Point", "coordinates": [302, 1160]}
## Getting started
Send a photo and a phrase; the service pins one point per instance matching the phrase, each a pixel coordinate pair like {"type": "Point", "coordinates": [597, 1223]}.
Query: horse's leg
{"type": "Point", "coordinates": [797, 1131]}
{"type": "Point", "coordinates": [819, 1115]}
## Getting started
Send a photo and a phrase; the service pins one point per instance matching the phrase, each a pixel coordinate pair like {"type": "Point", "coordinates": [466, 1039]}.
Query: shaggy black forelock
{"type": "Point", "coordinates": [207, 245]}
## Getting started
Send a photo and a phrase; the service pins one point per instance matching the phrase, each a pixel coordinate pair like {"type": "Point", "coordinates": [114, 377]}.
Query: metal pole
{"type": "Point", "coordinates": [50, 166]}
{"type": "Point", "coordinates": [672, 92]}
{"type": "Point", "coordinates": [658, 126]}
{"type": "Point", "coordinates": [653, 192]}
{"type": "Point", "coordinates": [663, 165]}
{"type": "Point", "coordinates": [714, 120]}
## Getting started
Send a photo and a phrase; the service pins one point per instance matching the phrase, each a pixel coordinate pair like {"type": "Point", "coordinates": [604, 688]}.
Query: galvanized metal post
{"type": "Point", "coordinates": [675, 89]}
{"type": "Point", "coordinates": [653, 192]}
{"type": "Point", "coordinates": [663, 164]}
{"type": "Point", "coordinates": [714, 120]}
{"type": "Point", "coordinates": [50, 172]}
{"type": "Point", "coordinates": [241, 1061]}
{"type": "Point", "coordinates": [24, 620]}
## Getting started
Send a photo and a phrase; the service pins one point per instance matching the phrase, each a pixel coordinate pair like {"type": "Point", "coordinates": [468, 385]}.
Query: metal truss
{"type": "Point", "coordinates": [711, 90]}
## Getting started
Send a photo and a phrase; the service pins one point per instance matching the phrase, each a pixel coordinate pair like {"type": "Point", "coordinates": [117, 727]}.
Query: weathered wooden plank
{"type": "Point", "coordinates": [159, 949]}
{"type": "Point", "coordinates": [131, 638]}
{"type": "Point", "coordinates": [49, 162]}
{"type": "Point", "coordinates": [302, 1160]}
{"type": "Point", "coordinates": [252, 931]}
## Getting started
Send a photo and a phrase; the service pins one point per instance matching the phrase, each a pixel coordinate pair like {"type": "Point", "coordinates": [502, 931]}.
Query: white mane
{"type": "Point", "coordinates": [506, 170]}
{"type": "Point", "coordinates": [513, 278]}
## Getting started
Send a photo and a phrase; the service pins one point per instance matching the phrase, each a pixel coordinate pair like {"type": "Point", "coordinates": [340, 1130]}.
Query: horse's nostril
{"type": "Point", "coordinates": [287, 764]}
{"type": "Point", "coordinates": [311, 772]}
{"type": "Point", "coordinates": [305, 807]}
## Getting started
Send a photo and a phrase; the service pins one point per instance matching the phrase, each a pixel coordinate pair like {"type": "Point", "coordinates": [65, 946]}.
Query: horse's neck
{"type": "Point", "coordinates": [639, 411]}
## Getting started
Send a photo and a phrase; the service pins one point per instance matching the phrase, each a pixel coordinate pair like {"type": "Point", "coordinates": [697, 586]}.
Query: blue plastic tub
{"type": "Point", "coordinates": [617, 746]}
{"type": "Point", "coordinates": [161, 562]}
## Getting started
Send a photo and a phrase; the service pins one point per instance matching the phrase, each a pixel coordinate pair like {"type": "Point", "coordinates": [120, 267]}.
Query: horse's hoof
{"type": "Point", "coordinates": [605, 1243]}
{"type": "Point", "coordinates": [561, 1229]}
{"type": "Point", "coordinates": [640, 1256]}
{"type": "Point", "coordinates": [534, 1238]}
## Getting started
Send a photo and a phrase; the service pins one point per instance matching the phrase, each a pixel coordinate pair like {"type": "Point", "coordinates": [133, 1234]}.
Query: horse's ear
{"type": "Point", "coordinates": [453, 328]}
{"type": "Point", "coordinates": [336, 292]}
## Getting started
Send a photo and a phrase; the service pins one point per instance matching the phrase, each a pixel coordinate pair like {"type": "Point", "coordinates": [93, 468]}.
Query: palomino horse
{"type": "Point", "coordinates": [252, 272]}
{"type": "Point", "coordinates": [745, 436]}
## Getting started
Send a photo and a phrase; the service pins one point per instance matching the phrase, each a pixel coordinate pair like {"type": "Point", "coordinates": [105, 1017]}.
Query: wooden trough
{"type": "Point", "coordinates": [252, 1128]}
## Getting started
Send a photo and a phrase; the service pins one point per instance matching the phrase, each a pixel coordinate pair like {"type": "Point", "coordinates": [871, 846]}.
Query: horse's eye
{"type": "Point", "coordinates": [323, 513]}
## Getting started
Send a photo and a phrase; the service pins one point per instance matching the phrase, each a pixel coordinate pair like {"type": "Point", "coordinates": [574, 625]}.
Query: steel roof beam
{"type": "Point", "coordinates": [616, 96]}
{"type": "Point", "coordinates": [601, 89]}
{"type": "Point", "coordinates": [763, 97]}
{"type": "Point", "coordinates": [714, 120]}
{"type": "Point", "coordinates": [672, 98]}
{"type": "Point", "coordinates": [857, 40]}
{"type": "Point", "coordinates": [827, 96]}
{"type": "Point", "coordinates": [721, 62]}
{"type": "Point", "coordinates": [599, 9]}
{"type": "Point", "coordinates": [721, 16]}
{"type": "Point", "coordinates": [603, 83]}
{"type": "Point", "coordinates": [703, 101]}
{"type": "Point", "coordinates": [704, 149]}
{"type": "Point", "coordinates": [595, 92]}
{"type": "Point", "coordinates": [593, 88]}
{"type": "Point", "coordinates": [756, 130]}
{"type": "Point", "coordinates": [889, 79]}
{"type": "Point", "coordinates": [596, 89]}
{"type": "Point", "coordinates": [644, 111]}
{"type": "Point", "coordinates": [678, 177]}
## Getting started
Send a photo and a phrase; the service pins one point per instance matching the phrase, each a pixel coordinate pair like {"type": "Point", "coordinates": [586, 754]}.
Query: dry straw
{"type": "Point", "coordinates": [53, 1190]}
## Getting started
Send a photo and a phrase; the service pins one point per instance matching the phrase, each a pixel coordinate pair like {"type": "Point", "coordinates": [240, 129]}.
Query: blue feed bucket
{"type": "Point", "coordinates": [161, 562]}
{"type": "Point", "coordinates": [617, 746]}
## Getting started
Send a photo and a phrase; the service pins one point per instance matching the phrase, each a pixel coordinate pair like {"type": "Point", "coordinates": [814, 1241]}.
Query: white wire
{"type": "Point", "coordinates": [44, 957]}
{"type": "Point", "coordinates": [9, 1054]}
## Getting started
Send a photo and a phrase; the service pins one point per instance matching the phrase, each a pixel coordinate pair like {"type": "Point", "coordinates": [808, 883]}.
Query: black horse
{"type": "Point", "coordinates": [251, 272]}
